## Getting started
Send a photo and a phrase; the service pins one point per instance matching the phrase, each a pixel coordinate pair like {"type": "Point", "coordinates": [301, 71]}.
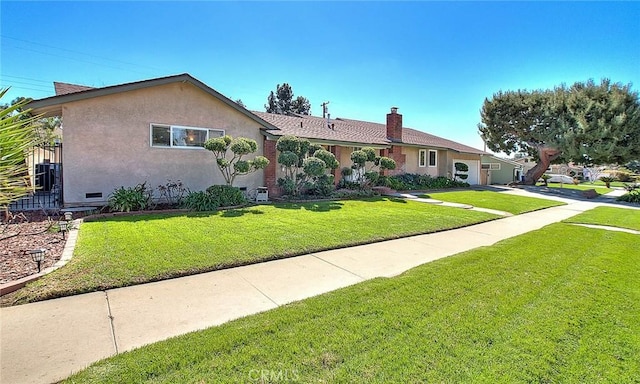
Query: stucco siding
{"type": "Point", "coordinates": [107, 141]}
{"type": "Point", "coordinates": [412, 164]}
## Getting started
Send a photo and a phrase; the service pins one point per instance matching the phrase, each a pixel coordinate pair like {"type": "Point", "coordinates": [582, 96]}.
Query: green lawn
{"type": "Point", "coordinates": [601, 190]}
{"type": "Point", "coordinates": [127, 250]}
{"type": "Point", "coordinates": [602, 183]}
{"type": "Point", "coordinates": [494, 200]}
{"type": "Point", "coordinates": [615, 217]}
{"type": "Point", "coordinates": [560, 304]}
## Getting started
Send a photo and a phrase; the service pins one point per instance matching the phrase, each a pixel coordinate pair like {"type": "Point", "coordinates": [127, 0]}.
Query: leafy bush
{"type": "Point", "coordinates": [305, 167]}
{"type": "Point", "coordinates": [352, 193]}
{"type": "Point", "coordinates": [461, 170]}
{"type": "Point", "coordinates": [128, 199]}
{"type": "Point", "coordinates": [625, 177]}
{"type": "Point", "coordinates": [352, 185]}
{"type": "Point", "coordinates": [227, 195]}
{"type": "Point", "coordinates": [323, 186]}
{"type": "Point", "coordinates": [631, 197]}
{"type": "Point", "coordinates": [413, 181]}
{"type": "Point", "coordinates": [200, 201]}
{"type": "Point", "coordinates": [214, 197]}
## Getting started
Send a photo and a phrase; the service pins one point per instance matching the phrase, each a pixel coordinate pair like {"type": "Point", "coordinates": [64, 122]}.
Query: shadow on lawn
{"type": "Point", "coordinates": [319, 206]}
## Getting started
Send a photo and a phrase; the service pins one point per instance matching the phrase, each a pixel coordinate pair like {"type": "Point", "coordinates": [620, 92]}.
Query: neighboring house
{"type": "Point", "coordinates": [153, 130]}
{"type": "Point", "coordinates": [496, 170]}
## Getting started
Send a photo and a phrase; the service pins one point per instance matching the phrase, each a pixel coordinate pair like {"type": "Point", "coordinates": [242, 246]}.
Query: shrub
{"type": "Point", "coordinates": [352, 193]}
{"type": "Point", "coordinates": [200, 201]}
{"type": "Point", "coordinates": [214, 197]}
{"type": "Point", "coordinates": [625, 177]}
{"type": "Point", "coordinates": [413, 181]}
{"type": "Point", "coordinates": [173, 192]}
{"type": "Point", "coordinates": [128, 199]}
{"type": "Point", "coordinates": [227, 195]}
{"type": "Point", "coordinates": [461, 170]}
{"type": "Point", "coordinates": [607, 180]}
{"type": "Point", "coordinates": [545, 178]}
{"type": "Point", "coordinates": [323, 186]}
{"type": "Point", "coordinates": [305, 166]}
{"type": "Point", "coordinates": [631, 197]}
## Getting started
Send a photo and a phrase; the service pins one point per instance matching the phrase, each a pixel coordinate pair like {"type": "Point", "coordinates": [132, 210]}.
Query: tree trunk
{"type": "Point", "coordinates": [546, 156]}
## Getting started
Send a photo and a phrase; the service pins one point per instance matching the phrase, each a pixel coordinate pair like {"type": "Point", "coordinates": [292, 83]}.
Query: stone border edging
{"type": "Point", "coordinates": [67, 254]}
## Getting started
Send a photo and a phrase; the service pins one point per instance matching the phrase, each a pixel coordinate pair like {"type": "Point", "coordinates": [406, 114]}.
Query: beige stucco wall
{"type": "Point", "coordinates": [107, 141]}
{"type": "Point", "coordinates": [412, 162]}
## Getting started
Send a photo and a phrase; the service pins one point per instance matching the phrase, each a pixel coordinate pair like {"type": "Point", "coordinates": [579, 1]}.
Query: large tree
{"type": "Point", "coordinates": [586, 123]}
{"type": "Point", "coordinates": [283, 103]}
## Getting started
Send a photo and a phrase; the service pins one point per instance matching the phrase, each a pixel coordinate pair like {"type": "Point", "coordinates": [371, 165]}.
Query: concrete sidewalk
{"type": "Point", "coordinates": [45, 342]}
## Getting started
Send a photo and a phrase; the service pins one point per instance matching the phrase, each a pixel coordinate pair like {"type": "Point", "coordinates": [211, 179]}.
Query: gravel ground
{"type": "Point", "coordinates": [24, 233]}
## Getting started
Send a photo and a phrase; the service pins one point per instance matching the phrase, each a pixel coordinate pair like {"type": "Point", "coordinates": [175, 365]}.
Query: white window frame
{"type": "Point", "coordinates": [435, 163]}
{"type": "Point", "coordinates": [491, 166]}
{"type": "Point", "coordinates": [171, 129]}
{"type": "Point", "coordinates": [422, 158]}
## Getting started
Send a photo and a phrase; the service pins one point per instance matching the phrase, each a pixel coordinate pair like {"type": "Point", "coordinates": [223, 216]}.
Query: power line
{"type": "Point", "coordinates": [78, 52]}
{"type": "Point", "coordinates": [26, 83]}
{"type": "Point", "coordinates": [26, 78]}
{"type": "Point", "coordinates": [76, 59]}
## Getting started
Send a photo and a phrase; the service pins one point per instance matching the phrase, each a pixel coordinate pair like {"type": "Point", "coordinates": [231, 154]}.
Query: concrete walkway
{"type": "Point", "coordinates": [45, 342]}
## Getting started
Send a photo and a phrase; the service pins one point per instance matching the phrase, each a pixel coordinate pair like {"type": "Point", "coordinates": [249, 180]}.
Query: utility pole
{"type": "Point", "coordinates": [324, 109]}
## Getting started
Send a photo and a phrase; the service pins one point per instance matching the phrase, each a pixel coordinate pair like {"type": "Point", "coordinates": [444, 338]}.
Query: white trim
{"type": "Point", "coordinates": [422, 158]}
{"type": "Point", "coordinates": [491, 166]}
{"type": "Point", "coordinates": [435, 163]}
{"type": "Point", "coordinates": [171, 131]}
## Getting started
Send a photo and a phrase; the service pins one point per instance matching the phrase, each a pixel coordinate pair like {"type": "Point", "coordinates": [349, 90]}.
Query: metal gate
{"type": "Point", "coordinates": [44, 167]}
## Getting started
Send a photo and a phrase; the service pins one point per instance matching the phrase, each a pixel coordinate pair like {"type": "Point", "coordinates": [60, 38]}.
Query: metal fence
{"type": "Point", "coordinates": [44, 165]}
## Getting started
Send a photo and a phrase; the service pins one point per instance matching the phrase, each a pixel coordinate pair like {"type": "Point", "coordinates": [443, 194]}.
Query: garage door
{"type": "Point", "coordinates": [474, 170]}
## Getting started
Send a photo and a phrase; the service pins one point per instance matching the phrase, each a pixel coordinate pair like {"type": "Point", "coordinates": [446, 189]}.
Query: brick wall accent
{"type": "Point", "coordinates": [270, 179]}
{"type": "Point", "coordinates": [395, 153]}
{"type": "Point", "coordinates": [337, 175]}
{"type": "Point", "coordinates": [394, 125]}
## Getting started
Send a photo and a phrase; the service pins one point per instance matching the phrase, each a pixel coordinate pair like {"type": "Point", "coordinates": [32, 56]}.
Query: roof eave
{"type": "Point", "coordinates": [53, 105]}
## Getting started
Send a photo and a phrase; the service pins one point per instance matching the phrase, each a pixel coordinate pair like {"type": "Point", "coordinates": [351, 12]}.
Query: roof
{"type": "Point", "coordinates": [355, 131]}
{"type": "Point", "coordinates": [508, 161]}
{"type": "Point", "coordinates": [65, 88]}
{"type": "Point", "coordinates": [53, 105]}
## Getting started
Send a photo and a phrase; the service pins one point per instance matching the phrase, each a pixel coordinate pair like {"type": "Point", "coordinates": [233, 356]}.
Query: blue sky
{"type": "Point", "coordinates": [436, 61]}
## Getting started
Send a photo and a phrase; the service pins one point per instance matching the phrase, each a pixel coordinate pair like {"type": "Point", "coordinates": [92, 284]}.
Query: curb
{"type": "Point", "coordinates": [67, 254]}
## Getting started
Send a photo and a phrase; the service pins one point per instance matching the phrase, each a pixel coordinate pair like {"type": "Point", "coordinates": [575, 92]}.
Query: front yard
{"type": "Point", "coordinates": [126, 250]}
{"type": "Point", "coordinates": [494, 200]}
{"type": "Point", "coordinates": [600, 189]}
{"type": "Point", "coordinates": [560, 304]}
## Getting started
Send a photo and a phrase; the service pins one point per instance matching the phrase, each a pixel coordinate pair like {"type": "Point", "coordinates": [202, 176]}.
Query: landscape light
{"type": "Point", "coordinates": [37, 255]}
{"type": "Point", "coordinates": [63, 228]}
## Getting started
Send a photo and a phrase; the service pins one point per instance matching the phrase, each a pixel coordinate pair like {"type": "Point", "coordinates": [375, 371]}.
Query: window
{"type": "Point", "coordinates": [181, 137]}
{"type": "Point", "coordinates": [433, 158]}
{"type": "Point", "coordinates": [422, 158]}
{"type": "Point", "coordinates": [491, 166]}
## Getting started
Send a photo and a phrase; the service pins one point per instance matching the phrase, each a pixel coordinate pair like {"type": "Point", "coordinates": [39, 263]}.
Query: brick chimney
{"type": "Point", "coordinates": [394, 125]}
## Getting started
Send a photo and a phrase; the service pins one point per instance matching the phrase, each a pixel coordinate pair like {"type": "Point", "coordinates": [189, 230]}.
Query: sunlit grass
{"type": "Point", "coordinates": [601, 190]}
{"type": "Point", "coordinates": [610, 216]}
{"type": "Point", "coordinates": [128, 250]}
{"type": "Point", "coordinates": [494, 200]}
{"type": "Point", "coordinates": [560, 304]}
